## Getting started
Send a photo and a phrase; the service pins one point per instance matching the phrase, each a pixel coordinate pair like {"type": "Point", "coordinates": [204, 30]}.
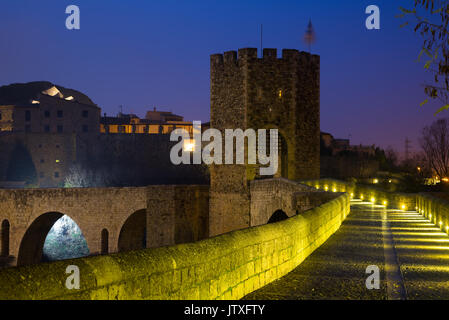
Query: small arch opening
{"type": "Point", "coordinates": [279, 215]}
{"type": "Point", "coordinates": [5, 239]}
{"type": "Point", "coordinates": [104, 241]}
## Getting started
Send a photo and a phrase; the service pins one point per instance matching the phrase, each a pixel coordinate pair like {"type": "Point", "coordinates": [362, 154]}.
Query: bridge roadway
{"type": "Point", "coordinates": [411, 253]}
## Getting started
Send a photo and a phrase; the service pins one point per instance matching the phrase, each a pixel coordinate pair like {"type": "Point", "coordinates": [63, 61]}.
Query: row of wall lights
{"type": "Point", "coordinates": [430, 220]}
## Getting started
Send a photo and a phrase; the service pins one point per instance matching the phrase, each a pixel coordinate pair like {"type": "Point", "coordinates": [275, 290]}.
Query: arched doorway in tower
{"type": "Point", "coordinates": [282, 148]}
{"type": "Point", "coordinates": [133, 233]}
{"type": "Point", "coordinates": [277, 216]}
{"type": "Point", "coordinates": [5, 239]}
{"type": "Point", "coordinates": [52, 236]}
{"type": "Point", "coordinates": [283, 156]}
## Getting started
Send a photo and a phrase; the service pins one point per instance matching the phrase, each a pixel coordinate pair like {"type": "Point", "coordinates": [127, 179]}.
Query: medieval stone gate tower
{"type": "Point", "coordinates": [263, 93]}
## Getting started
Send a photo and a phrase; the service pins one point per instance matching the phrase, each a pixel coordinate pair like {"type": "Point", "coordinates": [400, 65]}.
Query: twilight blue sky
{"type": "Point", "coordinates": [141, 54]}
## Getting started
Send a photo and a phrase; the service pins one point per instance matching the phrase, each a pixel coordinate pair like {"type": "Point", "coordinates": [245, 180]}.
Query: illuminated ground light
{"type": "Point", "coordinates": [375, 181]}
{"type": "Point", "coordinates": [361, 197]}
{"type": "Point", "coordinates": [403, 207]}
{"type": "Point", "coordinates": [441, 223]}
{"type": "Point", "coordinates": [326, 188]}
{"type": "Point", "coordinates": [352, 195]}
{"type": "Point", "coordinates": [385, 203]}
{"type": "Point", "coordinates": [334, 190]}
{"type": "Point", "coordinates": [447, 229]}
{"type": "Point", "coordinates": [317, 187]}
{"type": "Point", "coordinates": [373, 200]}
{"type": "Point", "coordinates": [430, 216]}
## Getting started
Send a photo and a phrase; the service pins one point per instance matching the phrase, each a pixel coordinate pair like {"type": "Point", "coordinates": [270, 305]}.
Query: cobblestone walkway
{"type": "Point", "coordinates": [411, 253]}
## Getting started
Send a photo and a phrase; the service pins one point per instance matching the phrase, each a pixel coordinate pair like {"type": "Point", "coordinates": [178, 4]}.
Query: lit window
{"type": "Point", "coordinates": [189, 146]}
{"type": "Point", "coordinates": [280, 93]}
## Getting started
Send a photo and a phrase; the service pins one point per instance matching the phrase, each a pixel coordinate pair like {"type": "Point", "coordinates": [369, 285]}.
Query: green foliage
{"type": "Point", "coordinates": [65, 241]}
{"type": "Point", "coordinates": [431, 20]}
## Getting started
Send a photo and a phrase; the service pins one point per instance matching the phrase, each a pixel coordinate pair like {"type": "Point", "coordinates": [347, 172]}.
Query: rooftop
{"type": "Point", "coordinates": [25, 93]}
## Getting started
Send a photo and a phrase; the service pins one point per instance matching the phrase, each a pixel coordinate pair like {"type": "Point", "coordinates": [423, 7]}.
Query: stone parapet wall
{"type": "Point", "coordinates": [435, 209]}
{"type": "Point", "coordinates": [403, 201]}
{"type": "Point", "coordinates": [224, 267]}
{"type": "Point", "coordinates": [270, 195]}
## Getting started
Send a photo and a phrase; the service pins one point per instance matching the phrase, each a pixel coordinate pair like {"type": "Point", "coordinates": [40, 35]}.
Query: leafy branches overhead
{"type": "Point", "coordinates": [432, 19]}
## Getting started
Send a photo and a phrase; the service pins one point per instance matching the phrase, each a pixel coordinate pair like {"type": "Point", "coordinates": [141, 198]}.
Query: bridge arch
{"type": "Point", "coordinates": [32, 243]}
{"type": "Point", "coordinates": [5, 238]}
{"type": "Point", "coordinates": [133, 232]}
{"type": "Point", "coordinates": [277, 216]}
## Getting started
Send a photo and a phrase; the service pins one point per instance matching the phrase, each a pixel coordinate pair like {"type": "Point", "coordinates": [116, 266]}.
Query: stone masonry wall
{"type": "Point", "coordinates": [270, 195]}
{"type": "Point", "coordinates": [224, 267]}
{"type": "Point", "coordinates": [114, 160]}
{"type": "Point", "coordinates": [248, 92]}
{"type": "Point", "coordinates": [178, 212]}
{"type": "Point", "coordinates": [403, 201]}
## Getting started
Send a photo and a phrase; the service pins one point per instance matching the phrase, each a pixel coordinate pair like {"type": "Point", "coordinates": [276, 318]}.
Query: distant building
{"type": "Point", "coordinates": [51, 136]}
{"type": "Point", "coordinates": [339, 145]}
{"type": "Point", "coordinates": [155, 122]}
{"type": "Point", "coordinates": [326, 139]}
{"type": "Point", "coordinates": [41, 107]}
{"type": "Point", "coordinates": [163, 116]}
{"type": "Point", "coordinates": [339, 159]}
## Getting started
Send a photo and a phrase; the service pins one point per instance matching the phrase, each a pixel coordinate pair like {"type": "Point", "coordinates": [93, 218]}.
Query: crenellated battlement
{"type": "Point", "coordinates": [269, 54]}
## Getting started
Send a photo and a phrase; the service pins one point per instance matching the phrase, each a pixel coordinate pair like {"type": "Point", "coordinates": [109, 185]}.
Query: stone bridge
{"type": "Point", "coordinates": [124, 219]}
{"type": "Point", "coordinates": [111, 219]}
